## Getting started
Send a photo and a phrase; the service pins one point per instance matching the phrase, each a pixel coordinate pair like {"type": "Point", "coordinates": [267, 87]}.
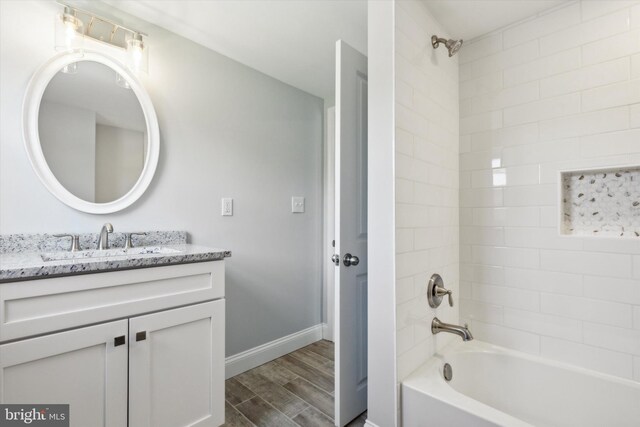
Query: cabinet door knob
{"type": "Point", "coordinates": [119, 341]}
{"type": "Point", "coordinates": [141, 336]}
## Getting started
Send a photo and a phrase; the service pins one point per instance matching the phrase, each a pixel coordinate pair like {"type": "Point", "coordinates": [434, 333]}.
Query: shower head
{"type": "Point", "coordinates": [453, 46]}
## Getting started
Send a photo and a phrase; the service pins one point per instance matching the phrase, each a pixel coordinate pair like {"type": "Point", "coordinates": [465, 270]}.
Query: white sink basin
{"type": "Point", "coordinates": [144, 250]}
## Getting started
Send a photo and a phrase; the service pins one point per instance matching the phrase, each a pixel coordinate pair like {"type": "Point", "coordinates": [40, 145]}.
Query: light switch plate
{"type": "Point", "coordinates": [297, 204]}
{"type": "Point", "coordinates": [227, 207]}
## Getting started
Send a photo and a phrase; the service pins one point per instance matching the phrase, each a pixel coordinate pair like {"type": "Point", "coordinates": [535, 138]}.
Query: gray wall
{"type": "Point", "coordinates": [226, 131]}
{"type": "Point", "coordinates": [124, 147]}
{"type": "Point", "coordinates": [69, 148]}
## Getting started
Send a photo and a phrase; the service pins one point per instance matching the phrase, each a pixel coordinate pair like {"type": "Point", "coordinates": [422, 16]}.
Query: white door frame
{"type": "Point", "coordinates": [383, 389]}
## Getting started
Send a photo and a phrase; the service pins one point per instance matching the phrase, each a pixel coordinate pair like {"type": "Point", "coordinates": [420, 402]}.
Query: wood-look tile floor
{"type": "Point", "coordinates": [295, 390]}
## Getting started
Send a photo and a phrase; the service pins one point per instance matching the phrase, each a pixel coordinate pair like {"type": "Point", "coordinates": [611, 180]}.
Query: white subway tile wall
{"type": "Point", "coordinates": [560, 91]}
{"type": "Point", "coordinates": [427, 173]}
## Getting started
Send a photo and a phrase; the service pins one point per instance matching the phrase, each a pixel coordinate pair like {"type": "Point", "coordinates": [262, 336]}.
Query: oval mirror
{"type": "Point", "coordinates": [91, 132]}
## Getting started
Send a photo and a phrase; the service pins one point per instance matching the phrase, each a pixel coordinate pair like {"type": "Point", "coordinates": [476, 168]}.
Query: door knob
{"type": "Point", "coordinates": [335, 258]}
{"type": "Point", "coordinates": [349, 260]}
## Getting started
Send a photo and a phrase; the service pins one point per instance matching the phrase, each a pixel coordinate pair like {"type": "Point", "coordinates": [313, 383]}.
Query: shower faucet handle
{"type": "Point", "coordinates": [448, 292]}
{"type": "Point", "coordinates": [436, 291]}
{"type": "Point", "coordinates": [442, 292]}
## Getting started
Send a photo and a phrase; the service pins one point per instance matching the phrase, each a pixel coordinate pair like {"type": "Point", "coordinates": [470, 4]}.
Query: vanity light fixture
{"type": "Point", "coordinates": [137, 54]}
{"type": "Point", "coordinates": [71, 31]}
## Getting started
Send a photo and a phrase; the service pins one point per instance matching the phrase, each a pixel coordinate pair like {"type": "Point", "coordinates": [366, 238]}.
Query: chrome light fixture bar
{"type": "Point", "coordinates": [73, 24]}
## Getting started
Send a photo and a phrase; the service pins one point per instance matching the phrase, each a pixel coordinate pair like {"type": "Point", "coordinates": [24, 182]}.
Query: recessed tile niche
{"type": "Point", "coordinates": [603, 202]}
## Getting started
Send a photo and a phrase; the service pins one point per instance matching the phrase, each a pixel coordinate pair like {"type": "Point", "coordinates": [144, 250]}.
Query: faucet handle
{"type": "Point", "coordinates": [442, 292]}
{"type": "Point", "coordinates": [75, 241]}
{"type": "Point", "coordinates": [436, 290]}
{"type": "Point", "coordinates": [128, 244]}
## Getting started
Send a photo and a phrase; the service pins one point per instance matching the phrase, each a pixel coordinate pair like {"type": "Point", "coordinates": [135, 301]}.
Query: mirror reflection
{"type": "Point", "coordinates": [92, 132]}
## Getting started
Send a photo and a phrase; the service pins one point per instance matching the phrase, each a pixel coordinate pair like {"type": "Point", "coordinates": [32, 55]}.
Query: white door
{"type": "Point", "coordinates": [85, 368]}
{"type": "Point", "coordinates": [351, 234]}
{"type": "Point", "coordinates": [176, 367]}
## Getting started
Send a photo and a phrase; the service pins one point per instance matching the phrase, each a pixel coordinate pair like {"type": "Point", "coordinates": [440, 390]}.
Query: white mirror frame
{"type": "Point", "coordinates": [31, 109]}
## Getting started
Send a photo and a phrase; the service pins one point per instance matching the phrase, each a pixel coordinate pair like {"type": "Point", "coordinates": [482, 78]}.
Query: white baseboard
{"type": "Point", "coordinates": [370, 424]}
{"type": "Point", "coordinates": [249, 359]}
{"type": "Point", "coordinates": [327, 333]}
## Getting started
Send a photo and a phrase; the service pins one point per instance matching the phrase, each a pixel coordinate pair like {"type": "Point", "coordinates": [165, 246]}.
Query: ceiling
{"type": "Point", "coordinates": [290, 40]}
{"type": "Point", "coordinates": [294, 40]}
{"type": "Point", "coordinates": [467, 19]}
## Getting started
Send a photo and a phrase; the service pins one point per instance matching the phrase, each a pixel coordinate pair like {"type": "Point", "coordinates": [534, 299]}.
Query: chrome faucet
{"type": "Point", "coordinates": [103, 241]}
{"type": "Point", "coordinates": [462, 331]}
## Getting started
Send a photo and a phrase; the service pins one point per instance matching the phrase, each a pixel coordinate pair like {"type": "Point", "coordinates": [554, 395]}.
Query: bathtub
{"type": "Point", "coordinates": [494, 386]}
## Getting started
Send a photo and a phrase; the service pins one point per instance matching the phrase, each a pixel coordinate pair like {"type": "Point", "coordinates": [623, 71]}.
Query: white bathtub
{"type": "Point", "coordinates": [495, 386]}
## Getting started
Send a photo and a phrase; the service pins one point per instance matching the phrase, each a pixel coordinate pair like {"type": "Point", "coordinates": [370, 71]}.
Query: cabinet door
{"type": "Point", "coordinates": [176, 367]}
{"type": "Point", "coordinates": [82, 367]}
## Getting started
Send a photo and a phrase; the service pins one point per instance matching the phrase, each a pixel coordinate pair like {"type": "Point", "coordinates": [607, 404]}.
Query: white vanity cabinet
{"type": "Point", "coordinates": [137, 348]}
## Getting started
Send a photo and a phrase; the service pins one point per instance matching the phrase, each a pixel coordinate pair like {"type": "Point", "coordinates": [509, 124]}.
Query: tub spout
{"type": "Point", "coordinates": [462, 331]}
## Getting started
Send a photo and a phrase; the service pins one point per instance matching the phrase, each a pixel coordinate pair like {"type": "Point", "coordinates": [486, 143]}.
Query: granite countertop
{"type": "Point", "coordinates": [28, 257]}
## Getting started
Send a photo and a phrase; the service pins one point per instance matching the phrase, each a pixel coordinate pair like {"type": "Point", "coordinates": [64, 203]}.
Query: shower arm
{"type": "Point", "coordinates": [435, 41]}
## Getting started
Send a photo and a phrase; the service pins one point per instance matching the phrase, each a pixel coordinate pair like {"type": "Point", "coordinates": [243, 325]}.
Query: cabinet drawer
{"type": "Point", "coordinates": [46, 305]}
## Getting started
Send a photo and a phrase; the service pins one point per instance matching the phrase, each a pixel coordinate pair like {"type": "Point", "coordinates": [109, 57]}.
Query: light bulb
{"type": "Point", "coordinates": [68, 31]}
{"type": "Point", "coordinates": [69, 35]}
{"type": "Point", "coordinates": [137, 54]}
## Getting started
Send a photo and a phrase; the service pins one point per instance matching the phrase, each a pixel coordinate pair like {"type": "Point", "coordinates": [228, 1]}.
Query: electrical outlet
{"type": "Point", "coordinates": [227, 207]}
{"type": "Point", "coordinates": [297, 204]}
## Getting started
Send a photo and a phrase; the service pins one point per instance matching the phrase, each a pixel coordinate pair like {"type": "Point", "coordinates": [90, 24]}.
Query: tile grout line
{"type": "Point", "coordinates": [311, 349]}
{"type": "Point", "coordinates": [315, 369]}
{"type": "Point", "coordinates": [314, 406]}
{"type": "Point", "coordinates": [310, 366]}
{"type": "Point", "coordinates": [320, 368]}
{"type": "Point", "coordinates": [246, 400]}
{"type": "Point", "coordinates": [241, 414]}
{"type": "Point", "coordinates": [319, 411]}
{"type": "Point", "coordinates": [300, 412]}
{"type": "Point", "coordinates": [327, 360]}
{"type": "Point", "coordinates": [276, 409]}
